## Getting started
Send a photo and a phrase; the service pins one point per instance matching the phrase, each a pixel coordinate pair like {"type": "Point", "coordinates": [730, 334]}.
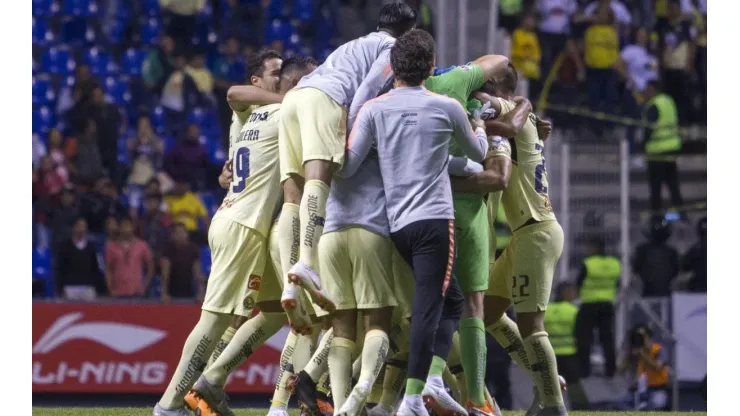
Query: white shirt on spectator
{"type": "Point", "coordinates": [641, 66]}
{"type": "Point", "coordinates": [39, 150]}
{"type": "Point", "coordinates": [556, 15]}
{"type": "Point", "coordinates": [621, 13]}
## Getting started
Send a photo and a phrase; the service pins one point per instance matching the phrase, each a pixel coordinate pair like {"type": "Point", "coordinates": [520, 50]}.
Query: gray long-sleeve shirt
{"type": "Point", "coordinates": [410, 129]}
{"type": "Point", "coordinates": [355, 72]}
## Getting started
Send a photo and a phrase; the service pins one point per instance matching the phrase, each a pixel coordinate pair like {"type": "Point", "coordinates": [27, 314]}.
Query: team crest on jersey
{"type": "Point", "coordinates": [248, 303]}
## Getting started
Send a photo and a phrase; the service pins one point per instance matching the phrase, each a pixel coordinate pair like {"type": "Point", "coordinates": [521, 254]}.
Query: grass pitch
{"type": "Point", "coordinates": [147, 411]}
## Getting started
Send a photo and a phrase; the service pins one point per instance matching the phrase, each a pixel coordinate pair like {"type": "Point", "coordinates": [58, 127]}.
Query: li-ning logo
{"type": "Point", "coordinates": [122, 338]}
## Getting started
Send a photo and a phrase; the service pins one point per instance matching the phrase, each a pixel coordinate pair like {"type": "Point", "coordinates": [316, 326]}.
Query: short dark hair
{"type": "Point", "coordinates": [296, 63]}
{"type": "Point", "coordinates": [256, 64]}
{"type": "Point", "coordinates": [412, 57]}
{"type": "Point", "coordinates": [508, 81]}
{"type": "Point", "coordinates": [598, 243]}
{"type": "Point", "coordinates": [397, 18]}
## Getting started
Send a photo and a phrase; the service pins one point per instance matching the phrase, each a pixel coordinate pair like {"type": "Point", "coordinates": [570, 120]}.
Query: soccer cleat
{"type": "Point", "coordinates": [326, 407]}
{"type": "Point", "coordinates": [293, 306]}
{"type": "Point", "coordinates": [302, 386]}
{"type": "Point", "coordinates": [161, 411]}
{"type": "Point", "coordinates": [536, 405]}
{"type": "Point", "coordinates": [412, 405]}
{"type": "Point", "coordinates": [277, 411]}
{"type": "Point", "coordinates": [213, 400]}
{"type": "Point", "coordinates": [553, 411]}
{"type": "Point", "coordinates": [302, 275]}
{"type": "Point", "coordinates": [491, 400]}
{"type": "Point", "coordinates": [486, 410]}
{"type": "Point", "coordinates": [355, 403]}
{"type": "Point", "coordinates": [191, 401]}
{"type": "Point", "coordinates": [437, 399]}
{"type": "Point", "coordinates": [380, 410]}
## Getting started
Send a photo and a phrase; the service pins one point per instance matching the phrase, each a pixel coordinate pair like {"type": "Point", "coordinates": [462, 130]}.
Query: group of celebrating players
{"type": "Point", "coordinates": [393, 220]}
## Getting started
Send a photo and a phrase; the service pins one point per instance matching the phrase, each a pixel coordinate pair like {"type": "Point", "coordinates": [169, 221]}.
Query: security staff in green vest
{"type": "Point", "coordinates": [662, 144]}
{"type": "Point", "coordinates": [598, 281]}
{"type": "Point", "coordinates": [510, 14]}
{"type": "Point", "coordinates": [560, 324]}
{"type": "Point", "coordinates": [426, 20]}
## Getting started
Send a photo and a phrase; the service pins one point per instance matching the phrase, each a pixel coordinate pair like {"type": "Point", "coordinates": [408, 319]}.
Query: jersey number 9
{"type": "Point", "coordinates": [241, 169]}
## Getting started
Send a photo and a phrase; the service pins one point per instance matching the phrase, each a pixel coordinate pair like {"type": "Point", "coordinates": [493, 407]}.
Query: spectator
{"type": "Point", "coordinates": [655, 262]}
{"type": "Point", "coordinates": [510, 14]}
{"type": "Point", "coordinates": [554, 28]}
{"type": "Point", "coordinates": [601, 54]}
{"type": "Point", "coordinates": [102, 202]}
{"type": "Point", "coordinates": [63, 216]}
{"type": "Point", "coordinates": [47, 181]}
{"type": "Point", "coordinates": [185, 207]}
{"type": "Point", "coordinates": [129, 266]}
{"type": "Point", "coordinates": [695, 260]}
{"type": "Point", "coordinates": [111, 228]}
{"type": "Point", "coordinates": [110, 126]}
{"type": "Point", "coordinates": [181, 17]}
{"type": "Point", "coordinates": [87, 165]}
{"type": "Point", "coordinates": [57, 154]}
{"type": "Point", "coordinates": [78, 271]}
{"type": "Point", "coordinates": [178, 95]}
{"type": "Point", "coordinates": [153, 225]}
{"type": "Point", "coordinates": [188, 160]}
{"type": "Point", "coordinates": [622, 15]}
{"type": "Point", "coordinates": [526, 55]}
{"type": "Point", "coordinates": [639, 67]}
{"type": "Point", "coordinates": [78, 93]}
{"type": "Point", "coordinates": [38, 150]}
{"type": "Point", "coordinates": [146, 151]}
{"type": "Point", "coordinates": [677, 42]}
{"type": "Point", "coordinates": [647, 361]}
{"type": "Point", "coordinates": [202, 77]}
{"type": "Point", "coordinates": [158, 65]}
{"type": "Point", "coordinates": [181, 268]}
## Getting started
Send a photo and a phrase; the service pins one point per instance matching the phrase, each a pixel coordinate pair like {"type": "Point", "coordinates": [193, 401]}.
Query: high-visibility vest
{"type": "Point", "coordinates": [510, 7]}
{"type": "Point", "coordinates": [654, 378]}
{"type": "Point", "coordinates": [664, 137]}
{"type": "Point", "coordinates": [560, 324]}
{"type": "Point", "coordinates": [602, 275]}
{"type": "Point", "coordinates": [525, 53]}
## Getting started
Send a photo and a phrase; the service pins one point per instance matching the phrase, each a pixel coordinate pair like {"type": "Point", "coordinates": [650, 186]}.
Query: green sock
{"type": "Point", "coordinates": [473, 357]}
{"type": "Point", "coordinates": [414, 386]}
{"type": "Point", "coordinates": [438, 366]}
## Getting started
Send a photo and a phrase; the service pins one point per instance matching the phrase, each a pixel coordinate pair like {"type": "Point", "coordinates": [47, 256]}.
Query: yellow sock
{"type": "Point", "coordinates": [394, 381]}
{"type": "Point", "coordinates": [288, 235]}
{"type": "Point", "coordinates": [281, 396]}
{"type": "Point", "coordinates": [222, 343]}
{"type": "Point", "coordinates": [305, 347]}
{"type": "Point", "coordinates": [247, 339]}
{"type": "Point", "coordinates": [544, 368]}
{"type": "Point", "coordinates": [377, 390]}
{"type": "Point", "coordinates": [313, 214]}
{"type": "Point", "coordinates": [451, 381]}
{"type": "Point", "coordinates": [506, 333]}
{"type": "Point", "coordinates": [374, 353]}
{"type": "Point", "coordinates": [340, 370]}
{"type": "Point", "coordinates": [199, 345]}
{"type": "Point", "coordinates": [318, 365]}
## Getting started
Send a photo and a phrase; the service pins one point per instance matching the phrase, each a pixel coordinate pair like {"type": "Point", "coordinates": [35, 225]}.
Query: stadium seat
{"type": "Point", "coordinates": [101, 63]}
{"type": "Point", "coordinates": [150, 7]}
{"type": "Point", "coordinates": [118, 91]}
{"type": "Point", "coordinates": [45, 7]}
{"type": "Point", "coordinates": [57, 61]}
{"type": "Point", "coordinates": [278, 30]}
{"type": "Point", "coordinates": [210, 202]}
{"type": "Point", "coordinates": [80, 8]}
{"type": "Point", "coordinates": [205, 259]}
{"type": "Point", "coordinates": [41, 34]}
{"type": "Point", "coordinates": [216, 153]}
{"type": "Point", "coordinates": [275, 10]}
{"type": "Point", "coordinates": [41, 263]}
{"type": "Point", "coordinates": [77, 32]}
{"type": "Point", "coordinates": [303, 10]}
{"type": "Point", "coordinates": [158, 120]}
{"type": "Point", "coordinates": [122, 154]}
{"type": "Point", "coordinates": [150, 31]}
{"type": "Point", "coordinates": [132, 61]}
{"type": "Point", "coordinates": [169, 142]}
{"type": "Point", "coordinates": [42, 92]}
{"type": "Point", "coordinates": [42, 120]}
{"type": "Point", "coordinates": [116, 32]}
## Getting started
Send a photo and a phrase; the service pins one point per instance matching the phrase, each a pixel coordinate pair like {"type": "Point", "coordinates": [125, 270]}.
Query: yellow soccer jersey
{"type": "Point", "coordinates": [254, 195]}
{"type": "Point", "coordinates": [526, 196]}
{"type": "Point", "coordinates": [238, 118]}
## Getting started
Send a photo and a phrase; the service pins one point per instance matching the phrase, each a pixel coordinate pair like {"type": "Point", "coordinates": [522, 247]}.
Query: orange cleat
{"type": "Point", "coordinates": [192, 400]}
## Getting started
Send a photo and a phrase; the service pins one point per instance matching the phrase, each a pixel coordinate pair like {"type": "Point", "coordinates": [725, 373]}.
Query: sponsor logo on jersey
{"type": "Point", "coordinates": [254, 282]}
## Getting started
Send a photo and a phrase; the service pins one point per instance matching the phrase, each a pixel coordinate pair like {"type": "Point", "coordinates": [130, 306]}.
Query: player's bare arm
{"type": "Point", "coordinates": [224, 179]}
{"type": "Point", "coordinates": [509, 124]}
{"type": "Point", "coordinates": [241, 97]}
{"type": "Point", "coordinates": [495, 176]}
{"type": "Point", "coordinates": [544, 128]}
{"type": "Point", "coordinates": [492, 65]}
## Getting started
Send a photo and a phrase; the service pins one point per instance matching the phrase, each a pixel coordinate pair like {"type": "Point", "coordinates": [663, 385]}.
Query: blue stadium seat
{"type": "Point", "coordinates": [150, 7]}
{"type": "Point", "coordinates": [41, 34]}
{"type": "Point", "coordinates": [216, 154]}
{"type": "Point", "coordinates": [101, 63]}
{"type": "Point", "coordinates": [210, 202]}
{"type": "Point", "coordinates": [56, 61]}
{"type": "Point", "coordinates": [118, 90]}
{"type": "Point", "coordinates": [169, 142]}
{"type": "Point", "coordinates": [116, 31]}
{"type": "Point", "coordinates": [275, 9]}
{"type": "Point", "coordinates": [206, 120]}
{"type": "Point", "coordinates": [122, 154]}
{"type": "Point", "coordinates": [131, 61]}
{"type": "Point", "coordinates": [150, 31]}
{"type": "Point", "coordinates": [77, 32]}
{"type": "Point", "coordinates": [205, 259]}
{"type": "Point", "coordinates": [42, 92]}
{"type": "Point", "coordinates": [159, 122]}
{"type": "Point", "coordinates": [278, 30]}
{"type": "Point", "coordinates": [41, 264]}
{"type": "Point", "coordinates": [42, 120]}
{"type": "Point", "coordinates": [45, 7]}
{"type": "Point", "coordinates": [303, 10]}
{"type": "Point", "coordinates": [80, 8]}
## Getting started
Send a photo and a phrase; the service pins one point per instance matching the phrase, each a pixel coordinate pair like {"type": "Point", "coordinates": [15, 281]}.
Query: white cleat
{"type": "Point", "coordinates": [536, 407]}
{"type": "Point", "coordinates": [437, 399]}
{"type": "Point", "coordinates": [355, 403]}
{"type": "Point", "coordinates": [380, 410]}
{"type": "Point", "coordinates": [277, 411]}
{"type": "Point", "coordinates": [212, 397]}
{"type": "Point", "coordinates": [302, 275]}
{"type": "Point", "coordinates": [294, 308]}
{"type": "Point", "coordinates": [161, 411]}
{"type": "Point", "coordinates": [412, 405]}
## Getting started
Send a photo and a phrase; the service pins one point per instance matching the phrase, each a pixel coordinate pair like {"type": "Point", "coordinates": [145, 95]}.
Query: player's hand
{"type": "Point", "coordinates": [519, 100]}
{"type": "Point", "coordinates": [544, 128]}
{"type": "Point", "coordinates": [485, 112]}
{"type": "Point", "coordinates": [166, 298]}
{"type": "Point", "coordinates": [224, 180]}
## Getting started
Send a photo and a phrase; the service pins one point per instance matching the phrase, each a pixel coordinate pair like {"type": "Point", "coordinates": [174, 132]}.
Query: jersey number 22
{"type": "Point", "coordinates": [241, 169]}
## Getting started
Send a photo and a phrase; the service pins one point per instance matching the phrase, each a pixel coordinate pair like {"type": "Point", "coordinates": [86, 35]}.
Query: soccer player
{"type": "Point", "coordinates": [412, 122]}
{"type": "Point", "coordinates": [523, 275]}
{"type": "Point", "coordinates": [471, 267]}
{"type": "Point", "coordinates": [313, 135]}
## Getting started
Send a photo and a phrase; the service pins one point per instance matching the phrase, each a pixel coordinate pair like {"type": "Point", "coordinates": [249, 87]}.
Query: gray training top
{"type": "Point", "coordinates": [355, 72]}
{"type": "Point", "coordinates": [411, 129]}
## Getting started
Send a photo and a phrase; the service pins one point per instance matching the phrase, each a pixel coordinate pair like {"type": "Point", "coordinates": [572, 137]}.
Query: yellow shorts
{"type": "Point", "coordinates": [524, 272]}
{"type": "Point", "coordinates": [355, 269]}
{"type": "Point", "coordinates": [312, 126]}
{"type": "Point", "coordinates": [239, 257]}
{"type": "Point", "coordinates": [403, 279]}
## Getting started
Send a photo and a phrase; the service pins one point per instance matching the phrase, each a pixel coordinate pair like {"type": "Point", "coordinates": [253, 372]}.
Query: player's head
{"type": "Point", "coordinates": [263, 69]}
{"type": "Point", "coordinates": [504, 83]}
{"type": "Point", "coordinates": [566, 292]}
{"type": "Point", "coordinates": [412, 57]}
{"type": "Point", "coordinates": [293, 69]}
{"type": "Point", "coordinates": [179, 233]}
{"type": "Point", "coordinates": [596, 245]}
{"type": "Point", "coordinates": [397, 18]}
